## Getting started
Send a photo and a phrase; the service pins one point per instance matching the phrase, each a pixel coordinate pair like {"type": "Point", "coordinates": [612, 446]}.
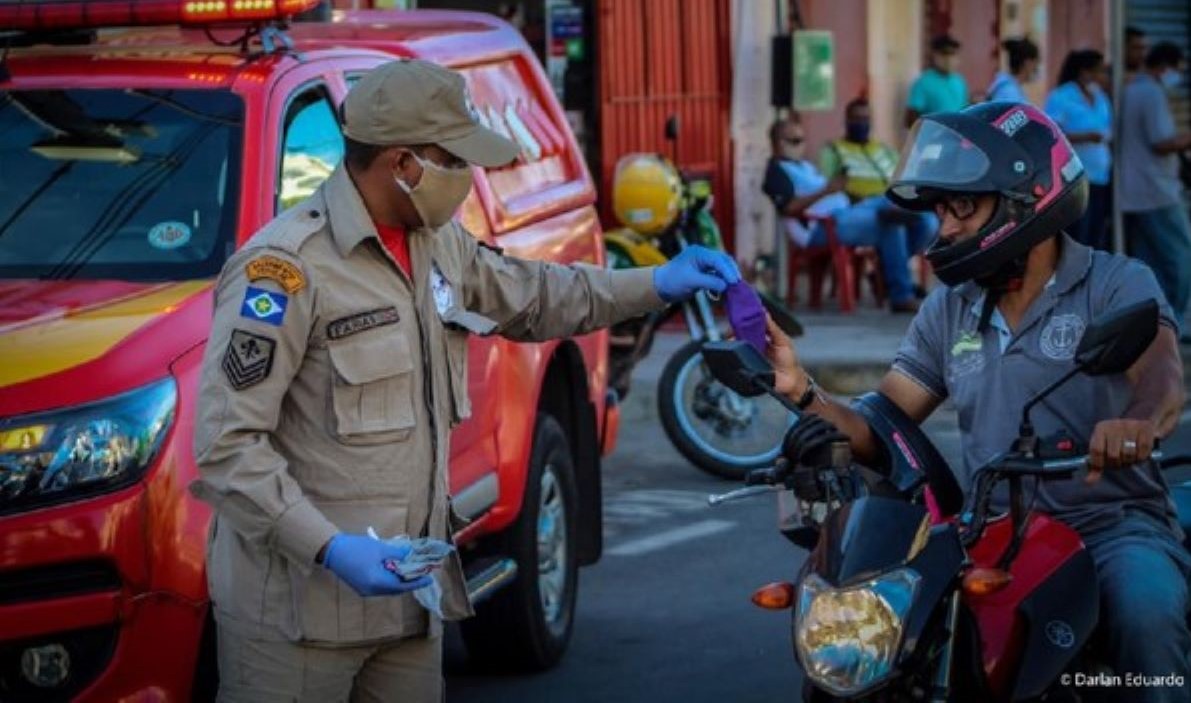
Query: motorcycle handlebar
{"type": "Point", "coordinates": [1032, 467]}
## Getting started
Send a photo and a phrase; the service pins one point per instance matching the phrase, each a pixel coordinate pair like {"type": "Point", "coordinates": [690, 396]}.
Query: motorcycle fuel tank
{"type": "Point", "coordinates": [1032, 629]}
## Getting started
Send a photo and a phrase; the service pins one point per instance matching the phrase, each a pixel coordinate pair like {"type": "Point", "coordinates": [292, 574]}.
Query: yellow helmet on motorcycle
{"type": "Point", "coordinates": [646, 193]}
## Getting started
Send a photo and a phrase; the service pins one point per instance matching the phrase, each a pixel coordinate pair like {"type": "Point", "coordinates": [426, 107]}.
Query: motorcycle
{"type": "Point", "coordinates": [910, 592]}
{"type": "Point", "coordinates": [714, 428]}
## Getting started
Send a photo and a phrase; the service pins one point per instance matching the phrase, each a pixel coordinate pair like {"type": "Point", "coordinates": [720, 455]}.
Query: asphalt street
{"type": "Point", "coordinates": [665, 615]}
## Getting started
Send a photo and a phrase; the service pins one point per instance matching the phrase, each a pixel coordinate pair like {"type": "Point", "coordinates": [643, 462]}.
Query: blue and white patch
{"type": "Point", "coordinates": [1061, 336]}
{"type": "Point", "coordinates": [444, 295]}
{"type": "Point", "coordinates": [264, 306]}
{"type": "Point", "coordinates": [169, 235]}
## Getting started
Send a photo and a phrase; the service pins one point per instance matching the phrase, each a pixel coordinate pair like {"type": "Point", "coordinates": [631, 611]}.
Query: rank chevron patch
{"type": "Point", "coordinates": [248, 359]}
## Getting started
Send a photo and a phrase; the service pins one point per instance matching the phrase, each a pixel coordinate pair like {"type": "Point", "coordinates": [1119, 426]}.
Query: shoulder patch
{"type": "Point", "coordinates": [248, 359]}
{"type": "Point", "coordinates": [274, 268]}
{"type": "Point", "coordinates": [264, 306]}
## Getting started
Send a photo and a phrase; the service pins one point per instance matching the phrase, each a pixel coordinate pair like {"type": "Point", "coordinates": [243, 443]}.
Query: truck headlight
{"type": "Point", "coordinates": [848, 638]}
{"type": "Point", "coordinates": [56, 456]}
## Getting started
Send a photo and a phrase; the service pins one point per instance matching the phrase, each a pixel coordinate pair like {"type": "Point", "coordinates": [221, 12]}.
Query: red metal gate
{"type": "Point", "coordinates": [667, 57]}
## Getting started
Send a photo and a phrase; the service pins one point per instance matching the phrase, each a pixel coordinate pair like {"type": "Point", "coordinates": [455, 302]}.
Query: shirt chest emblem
{"type": "Point", "coordinates": [1061, 336]}
{"type": "Point", "coordinates": [967, 342]}
{"type": "Point", "coordinates": [967, 356]}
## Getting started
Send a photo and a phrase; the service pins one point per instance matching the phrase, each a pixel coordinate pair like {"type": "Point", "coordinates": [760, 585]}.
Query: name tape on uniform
{"type": "Point", "coordinates": [352, 324]}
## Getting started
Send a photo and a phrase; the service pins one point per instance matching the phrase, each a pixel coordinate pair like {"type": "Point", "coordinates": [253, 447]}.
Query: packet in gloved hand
{"type": "Point", "coordinates": [426, 555]}
{"type": "Point", "coordinates": [746, 314]}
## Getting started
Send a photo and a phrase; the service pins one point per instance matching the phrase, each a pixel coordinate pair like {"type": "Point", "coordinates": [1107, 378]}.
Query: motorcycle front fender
{"type": "Point", "coordinates": [638, 249]}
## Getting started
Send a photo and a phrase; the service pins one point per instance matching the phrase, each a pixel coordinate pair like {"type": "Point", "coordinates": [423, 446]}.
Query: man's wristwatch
{"type": "Point", "coordinates": [808, 396]}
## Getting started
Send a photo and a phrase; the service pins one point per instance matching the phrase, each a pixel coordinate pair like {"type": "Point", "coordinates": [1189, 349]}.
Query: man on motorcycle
{"type": "Point", "coordinates": [1018, 294]}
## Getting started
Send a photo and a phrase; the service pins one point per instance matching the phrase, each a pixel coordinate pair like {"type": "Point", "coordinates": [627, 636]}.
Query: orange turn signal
{"type": "Point", "coordinates": [983, 581]}
{"type": "Point", "coordinates": [774, 596]}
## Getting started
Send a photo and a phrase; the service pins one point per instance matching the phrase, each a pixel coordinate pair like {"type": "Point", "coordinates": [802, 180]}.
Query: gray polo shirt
{"type": "Point", "coordinates": [1148, 181]}
{"type": "Point", "coordinates": [990, 376]}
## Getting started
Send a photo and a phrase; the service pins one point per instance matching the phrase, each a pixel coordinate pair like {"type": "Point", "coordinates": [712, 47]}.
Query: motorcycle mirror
{"type": "Point", "coordinates": [781, 315]}
{"type": "Point", "coordinates": [1115, 341]}
{"type": "Point", "coordinates": [739, 366]}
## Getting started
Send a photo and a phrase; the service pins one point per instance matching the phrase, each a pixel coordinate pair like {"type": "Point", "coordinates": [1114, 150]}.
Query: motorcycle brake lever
{"type": "Point", "coordinates": [740, 493]}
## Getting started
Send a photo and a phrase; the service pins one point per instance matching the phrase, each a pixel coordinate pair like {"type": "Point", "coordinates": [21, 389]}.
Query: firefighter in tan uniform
{"type": "Point", "coordinates": [334, 372]}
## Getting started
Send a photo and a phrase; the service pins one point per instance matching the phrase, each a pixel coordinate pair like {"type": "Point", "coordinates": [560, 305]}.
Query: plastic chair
{"type": "Point", "coordinates": [848, 266]}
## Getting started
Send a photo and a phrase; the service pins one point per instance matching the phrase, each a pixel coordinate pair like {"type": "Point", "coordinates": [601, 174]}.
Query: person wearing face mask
{"type": "Point", "coordinates": [1081, 109]}
{"type": "Point", "coordinates": [803, 196]}
{"type": "Point", "coordinates": [1017, 295]}
{"type": "Point", "coordinates": [336, 368]}
{"type": "Point", "coordinates": [940, 88]}
{"type": "Point", "coordinates": [868, 165]}
{"type": "Point", "coordinates": [1023, 58]}
{"type": "Point", "coordinates": [1157, 229]}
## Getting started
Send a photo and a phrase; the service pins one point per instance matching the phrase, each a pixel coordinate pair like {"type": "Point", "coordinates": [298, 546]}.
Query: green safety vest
{"type": "Point", "coordinates": [870, 166]}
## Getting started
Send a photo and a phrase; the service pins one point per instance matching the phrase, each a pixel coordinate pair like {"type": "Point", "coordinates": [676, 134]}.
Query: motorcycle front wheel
{"type": "Point", "coordinates": [720, 432]}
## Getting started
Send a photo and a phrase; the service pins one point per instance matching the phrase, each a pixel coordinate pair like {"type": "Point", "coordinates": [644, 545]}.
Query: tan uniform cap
{"type": "Point", "coordinates": [410, 102]}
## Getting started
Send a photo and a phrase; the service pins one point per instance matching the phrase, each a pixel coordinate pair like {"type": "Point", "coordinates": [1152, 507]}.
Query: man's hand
{"type": "Point", "coordinates": [788, 376]}
{"type": "Point", "coordinates": [696, 268]}
{"type": "Point", "coordinates": [1119, 443]}
{"type": "Point", "coordinates": [360, 562]}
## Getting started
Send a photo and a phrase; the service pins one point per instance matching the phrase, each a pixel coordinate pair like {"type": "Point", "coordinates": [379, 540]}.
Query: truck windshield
{"type": "Point", "coordinates": [134, 185]}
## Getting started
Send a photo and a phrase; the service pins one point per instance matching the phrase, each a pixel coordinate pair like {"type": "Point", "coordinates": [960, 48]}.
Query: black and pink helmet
{"type": "Point", "coordinates": [1011, 149]}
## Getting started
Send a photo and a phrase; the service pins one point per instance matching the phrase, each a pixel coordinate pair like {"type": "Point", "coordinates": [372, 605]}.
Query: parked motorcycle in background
{"type": "Point", "coordinates": [663, 212]}
{"type": "Point", "coordinates": [911, 593]}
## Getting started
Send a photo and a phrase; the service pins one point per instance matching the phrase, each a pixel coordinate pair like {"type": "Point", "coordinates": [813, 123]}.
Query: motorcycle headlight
{"type": "Point", "coordinates": [56, 456]}
{"type": "Point", "coordinates": [848, 638]}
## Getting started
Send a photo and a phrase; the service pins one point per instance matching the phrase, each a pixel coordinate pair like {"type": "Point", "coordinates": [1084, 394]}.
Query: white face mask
{"type": "Point", "coordinates": [439, 192]}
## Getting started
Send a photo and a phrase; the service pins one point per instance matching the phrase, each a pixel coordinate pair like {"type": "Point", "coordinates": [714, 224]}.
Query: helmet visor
{"type": "Point", "coordinates": [938, 157]}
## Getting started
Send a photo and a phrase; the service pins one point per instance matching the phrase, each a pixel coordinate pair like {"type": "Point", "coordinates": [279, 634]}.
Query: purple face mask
{"type": "Point", "coordinates": [746, 314]}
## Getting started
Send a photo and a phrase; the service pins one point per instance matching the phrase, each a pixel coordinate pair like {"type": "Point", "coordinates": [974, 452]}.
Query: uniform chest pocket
{"type": "Point", "coordinates": [372, 388]}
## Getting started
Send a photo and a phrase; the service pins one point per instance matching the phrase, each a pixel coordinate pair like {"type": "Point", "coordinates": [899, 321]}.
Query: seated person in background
{"type": "Point", "coordinates": [801, 193]}
{"type": "Point", "coordinates": [867, 165]}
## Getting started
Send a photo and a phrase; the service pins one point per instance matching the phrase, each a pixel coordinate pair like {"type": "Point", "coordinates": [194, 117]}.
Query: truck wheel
{"type": "Point", "coordinates": [527, 626]}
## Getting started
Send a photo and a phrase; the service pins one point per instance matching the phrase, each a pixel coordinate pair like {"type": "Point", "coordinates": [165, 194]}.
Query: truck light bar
{"type": "Point", "coordinates": [56, 15]}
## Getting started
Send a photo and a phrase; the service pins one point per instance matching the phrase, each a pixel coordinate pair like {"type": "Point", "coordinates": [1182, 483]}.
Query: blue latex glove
{"type": "Point", "coordinates": [359, 561]}
{"type": "Point", "coordinates": [696, 268]}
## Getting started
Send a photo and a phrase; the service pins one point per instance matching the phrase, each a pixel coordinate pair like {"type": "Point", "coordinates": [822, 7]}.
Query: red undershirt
{"type": "Point", "coordinates": [397, 243]}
